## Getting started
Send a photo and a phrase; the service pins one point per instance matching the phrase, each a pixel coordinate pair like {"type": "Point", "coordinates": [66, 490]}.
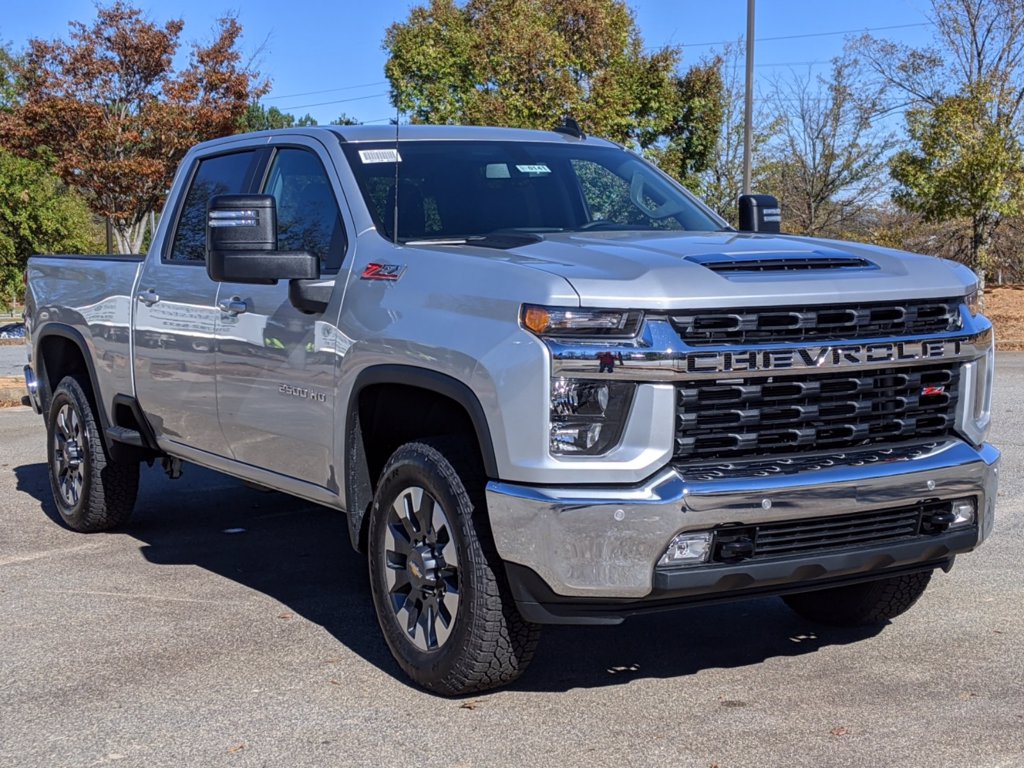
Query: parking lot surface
{"type": "Point", "coordinates": [227, 626]}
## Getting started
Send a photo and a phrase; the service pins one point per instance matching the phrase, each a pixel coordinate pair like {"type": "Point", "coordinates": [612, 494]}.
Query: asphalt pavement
{"type": "Point", "coordinates": [12, 359]}
{"type": "Point", "coordinates": [226, 626]}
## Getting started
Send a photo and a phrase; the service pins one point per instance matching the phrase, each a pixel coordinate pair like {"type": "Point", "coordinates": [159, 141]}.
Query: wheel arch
{"type": "Point", "coordinates": [442, 405]}
{"type": "Point", "coordinates": [61, 350]}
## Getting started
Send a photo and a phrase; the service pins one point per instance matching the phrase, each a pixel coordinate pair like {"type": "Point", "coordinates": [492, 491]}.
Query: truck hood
{"type": "Point", "coordinates": [653, 270]}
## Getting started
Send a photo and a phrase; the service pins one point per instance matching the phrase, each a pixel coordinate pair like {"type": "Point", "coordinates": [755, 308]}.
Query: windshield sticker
{"type": "Point", "coordinates": [379, 156]}
{"type": "Point", "coordinates": [533, 169]}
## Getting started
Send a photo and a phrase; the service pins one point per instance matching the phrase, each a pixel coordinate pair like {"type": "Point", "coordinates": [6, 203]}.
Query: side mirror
{"type": "Point", "coordinates": [760, 213]}
{"type": "Point", "coordinates": [241, 243]}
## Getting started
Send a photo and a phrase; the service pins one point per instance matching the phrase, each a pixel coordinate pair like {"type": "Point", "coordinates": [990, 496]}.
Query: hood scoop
{"type": "Point", "coordinates": [755, 262]}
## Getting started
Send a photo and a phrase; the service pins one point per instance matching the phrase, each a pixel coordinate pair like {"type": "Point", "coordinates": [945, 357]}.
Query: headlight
{"type": "Point", "coordinates": [587, 417]}
{"type": "Point", "coordinates": [973, 302]}
{"type": "Point", "coordinates": [575, 323]}
{"type": "Point", "coordinates": [975, 407]}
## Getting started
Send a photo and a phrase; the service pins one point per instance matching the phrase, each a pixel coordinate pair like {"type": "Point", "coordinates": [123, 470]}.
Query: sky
{"type": "Point", "coordinates": [326, 60]}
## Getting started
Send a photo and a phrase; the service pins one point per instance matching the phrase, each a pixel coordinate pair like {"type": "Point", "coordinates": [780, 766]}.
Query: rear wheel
{"type": "Point", "coordinates": [438, 586]}
{"type": "Point", "coordinates": [92, 492]}
{"type": "Point", "coordinates": [857, 605]}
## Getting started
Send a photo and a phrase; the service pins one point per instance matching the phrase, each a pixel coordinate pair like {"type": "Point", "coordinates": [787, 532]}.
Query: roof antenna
{"type": "Point", "coordinates": [398, 119]}
{"type": "Point", "coordinates": [570, 127]}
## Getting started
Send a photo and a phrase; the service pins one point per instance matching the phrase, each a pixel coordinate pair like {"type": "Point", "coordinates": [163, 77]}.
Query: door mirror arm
{"type": "Point", "coordinates": [311, 296]}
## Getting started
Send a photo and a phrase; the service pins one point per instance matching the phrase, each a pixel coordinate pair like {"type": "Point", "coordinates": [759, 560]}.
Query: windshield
{"type": "Point", "coordinates": [460, 190]}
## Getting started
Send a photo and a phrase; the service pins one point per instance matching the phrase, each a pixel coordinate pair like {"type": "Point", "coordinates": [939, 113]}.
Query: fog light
{"type": "Point", "coordinates": [688, 549]}
{"type": "Point", "coordinates": [963, 513]}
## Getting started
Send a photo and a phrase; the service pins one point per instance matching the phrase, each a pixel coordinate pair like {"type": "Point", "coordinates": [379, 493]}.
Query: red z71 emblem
{"type": "Point", "coordinates": [383, 272]}
{"type": "Point", "coordinates": [932, 391]}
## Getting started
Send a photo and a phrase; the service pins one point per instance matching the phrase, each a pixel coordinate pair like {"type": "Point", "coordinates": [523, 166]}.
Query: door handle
{"type": "Point", "coordinates": [233, 306]}
{"type": "Point", "coordinates": [149, 297]}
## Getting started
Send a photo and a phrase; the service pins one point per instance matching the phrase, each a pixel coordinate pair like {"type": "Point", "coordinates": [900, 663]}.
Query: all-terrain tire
{"type": "Point", "coordinates": [858, 605]}
{"type": "Point", "coordinates": [92, 492]}
{"type": "Point", "coordinates": [484, 643]}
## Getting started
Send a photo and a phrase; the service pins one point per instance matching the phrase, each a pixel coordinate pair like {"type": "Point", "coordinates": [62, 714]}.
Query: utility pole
{"type": "Point", "coordinates": [748, 101]}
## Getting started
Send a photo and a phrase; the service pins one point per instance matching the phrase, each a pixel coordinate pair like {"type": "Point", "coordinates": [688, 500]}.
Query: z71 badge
{"type": "Point", "coordinates": [390, 272]}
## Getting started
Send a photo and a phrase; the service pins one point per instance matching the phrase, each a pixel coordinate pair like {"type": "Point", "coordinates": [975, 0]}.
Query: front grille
{"type": "Point", "coordinates": [839, 322]}
{"type": "Point", "coordinates": [803, 463]}
{"type": "Point", "coordinates": [796, 537]}
{"type": "Point", "coordinates": [772, 415]}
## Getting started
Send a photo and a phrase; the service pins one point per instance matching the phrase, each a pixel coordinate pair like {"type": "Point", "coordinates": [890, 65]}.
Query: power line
{"type": "Point", "coordinates": [336, 101]}
{"type": "Point", "coordinates": [329, 90]}
{"type": "Point", "coordinates": [812, 34]}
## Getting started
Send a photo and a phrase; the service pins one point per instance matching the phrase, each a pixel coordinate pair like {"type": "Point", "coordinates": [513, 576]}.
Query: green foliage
{"type": "Point", "coordinates": [259, 117]}
{"type": "Point", "coordinates": [528, 63]}
{"type": "Point", "coordinates": [966, 162]}
{"type": "Point", "coordinates": [695, 125]}
{"type": "Point", "coordinates": [9, 84]}
{"type": "Point", "coordinates": [37, 215]}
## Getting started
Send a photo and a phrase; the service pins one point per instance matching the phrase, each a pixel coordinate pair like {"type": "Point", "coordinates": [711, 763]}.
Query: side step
{"type": "Point", "coordinates": [126, 436]}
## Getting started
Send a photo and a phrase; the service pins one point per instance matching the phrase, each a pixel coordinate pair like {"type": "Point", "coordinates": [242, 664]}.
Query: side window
{"type": "Point", "coordinates": [220, 175]}
{"type": "Point", "coordinates": [307, 211]}
{"type": "Point", "coordinates": [610, 198]}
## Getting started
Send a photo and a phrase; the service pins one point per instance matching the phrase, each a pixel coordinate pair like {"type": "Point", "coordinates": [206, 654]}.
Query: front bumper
{"type": "Point", "coordinates": [602, 542]}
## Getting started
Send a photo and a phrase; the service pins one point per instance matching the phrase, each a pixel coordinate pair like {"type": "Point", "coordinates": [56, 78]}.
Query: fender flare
{"type": "Point", "coordinates": [358, 485]}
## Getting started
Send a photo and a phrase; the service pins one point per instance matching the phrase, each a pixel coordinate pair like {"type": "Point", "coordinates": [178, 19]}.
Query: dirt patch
{"type": "Point", "coordinates": [1004, 306]}
{"type": "Point", "coordinates": [11, 390]}
{"type": "Point", "coordinates": [12, 342]}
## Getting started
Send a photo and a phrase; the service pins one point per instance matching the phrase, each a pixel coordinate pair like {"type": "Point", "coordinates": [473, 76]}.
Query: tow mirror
{"type": "Point", "coordinates": [760, 213]}
{"type": "Point", "coordinates": [241, 243]}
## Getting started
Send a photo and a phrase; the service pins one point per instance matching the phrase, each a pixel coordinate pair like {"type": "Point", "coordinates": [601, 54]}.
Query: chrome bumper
{"type": "Point", "coordinates": [604, 542]}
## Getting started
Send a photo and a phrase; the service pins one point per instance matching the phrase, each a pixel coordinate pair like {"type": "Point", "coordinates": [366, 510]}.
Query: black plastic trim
{"type": "Point", "coordinates": [71, 334]}
{"type": "Point", "coordinates": [704, 585]}
{"type": "Point", "coordinates": [145, 432]}
{"type": "Point", "coordinates": [358, 485]}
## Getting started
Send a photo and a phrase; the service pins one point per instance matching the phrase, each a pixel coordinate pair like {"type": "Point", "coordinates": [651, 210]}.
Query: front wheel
{"type": "Point", "coordinates": [438, 586]}
{"type": "Point", "coordinates": [92, 491]}
{"type": "Point", "coordinates": [858, 605]}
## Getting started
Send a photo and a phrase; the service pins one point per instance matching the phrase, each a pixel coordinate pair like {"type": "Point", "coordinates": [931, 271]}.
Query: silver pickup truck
{"type": "Point", "coordinates": [543, 382]}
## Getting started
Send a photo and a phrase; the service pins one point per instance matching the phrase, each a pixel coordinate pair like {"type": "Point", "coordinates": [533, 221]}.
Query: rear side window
{"type": "Point", "coordinates": [307, 211]}
{"type": "Point", "coordinates": [220, 175]}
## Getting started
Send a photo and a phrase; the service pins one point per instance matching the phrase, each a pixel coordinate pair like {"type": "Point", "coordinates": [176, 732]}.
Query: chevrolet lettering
{"type": "Point", "coordinates": [588, 397]}
{"type": "Point", "coordinates": [899, 352]}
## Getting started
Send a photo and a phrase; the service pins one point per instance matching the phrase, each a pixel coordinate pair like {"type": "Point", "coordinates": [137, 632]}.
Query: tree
{"type": "Point", "coordinates": [37, 215]}
{"type": "Point", "coordinates": [967, 164]}
{"type": "Point", "coordinates": [720, 183]}
{"type": "Point", "coordinates": [107, 109]}
{"type": "Point", "coordinates": [965, 99]}
{"type": "Point", "coordinates": [693, 129]}
{"type": "Point", "coordinates": [528, 63]}
{"type": "Point", "coordinates": [827, 164]}
{"type": "Point", "coordinates": [344, 119]}
{"type": "Point", "coordinates": [258, 117]}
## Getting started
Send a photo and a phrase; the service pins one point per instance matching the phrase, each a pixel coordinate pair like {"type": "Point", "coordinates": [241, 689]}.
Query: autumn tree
{"type": "Point", "coordinates": [827, 164]}
{"type": "Point", "coordinates": [527, 63]}
{"type": "Point", "coordinates": [108, 110]}
{"type": "Point", "coordinates": [965, 100]}
{"type": "Point", "coordinates": [966, 163]}
{"type": "Point", "coordinates": [720, 183]}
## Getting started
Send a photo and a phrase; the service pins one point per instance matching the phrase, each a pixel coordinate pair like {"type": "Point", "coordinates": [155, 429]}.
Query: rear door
{"type": "Point", "coordinates": [176, 312]}
{"type": "Point", "coordinates": [276, 366]}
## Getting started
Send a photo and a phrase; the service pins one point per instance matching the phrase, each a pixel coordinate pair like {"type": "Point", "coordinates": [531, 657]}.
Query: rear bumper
{"type": "Point", "coordinates": [597, 543]}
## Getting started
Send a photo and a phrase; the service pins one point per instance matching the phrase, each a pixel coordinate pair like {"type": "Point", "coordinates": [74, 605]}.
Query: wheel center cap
{"type": "Point", "coordinates": [424, 566]}
{"type": "Point", "coordinates": [71, 454]}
